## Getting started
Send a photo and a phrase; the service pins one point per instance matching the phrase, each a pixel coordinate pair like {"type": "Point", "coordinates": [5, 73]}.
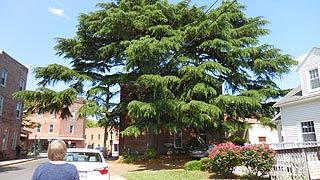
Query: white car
{"type": "Point", "coordinates": [89, 162]}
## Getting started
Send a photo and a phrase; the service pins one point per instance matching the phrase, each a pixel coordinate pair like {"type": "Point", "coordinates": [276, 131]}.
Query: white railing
{"type": "Point", "coordinates": [291, 160]}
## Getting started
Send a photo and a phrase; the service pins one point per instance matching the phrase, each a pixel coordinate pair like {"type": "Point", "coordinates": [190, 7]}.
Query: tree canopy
{"type": "Point", "coordinates": [194, 67]}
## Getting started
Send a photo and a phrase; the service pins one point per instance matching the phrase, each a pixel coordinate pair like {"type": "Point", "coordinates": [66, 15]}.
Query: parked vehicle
{"type": "Point", "coordinates": [102, 150]}
{"type": "Point", "coordinates": [89, 162]}
{"type": "Point", "coordinates": [200, 151]}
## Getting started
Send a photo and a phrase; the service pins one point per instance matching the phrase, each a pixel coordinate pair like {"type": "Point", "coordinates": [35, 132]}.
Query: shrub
{"type": "Point", "coordinates": [224, 158]}
{"type": "Point", "coordinates": [257, 158]}
{"type": "Point", "coordinates": [3, 155]}
{"type": "Point", "coordinates": [193, 166]}
{"type": "Point", "coordinates": [121, 159]}
{"type": "Point", "coordinates": [150, 154]}
{"type": "Point", "coordinates": [131, 159]}
{"type": "Point", "coordinates": [125, 155]}
{"type": "Point", "coordinates": [235, 140]}
{"type": "Point", "coordinates": [206, 164]}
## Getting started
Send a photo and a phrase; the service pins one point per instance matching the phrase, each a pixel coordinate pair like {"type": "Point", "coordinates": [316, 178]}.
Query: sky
{"type": "Point", "coordinates": [28, 28]}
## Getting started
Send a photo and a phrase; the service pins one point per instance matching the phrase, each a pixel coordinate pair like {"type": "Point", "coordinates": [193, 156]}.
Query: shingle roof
{"type": "Point", "coordinates": [295, 96]}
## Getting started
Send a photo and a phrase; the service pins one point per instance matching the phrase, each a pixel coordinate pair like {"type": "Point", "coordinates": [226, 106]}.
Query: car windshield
{"type": "Point", "coordinates": [200, 148]}
{"type": "Point", "coordinates": [83, 157]}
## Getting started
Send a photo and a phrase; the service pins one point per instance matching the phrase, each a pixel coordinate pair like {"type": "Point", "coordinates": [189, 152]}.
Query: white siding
{"type": "Point", "coordinates": [258, 130]}
{"type": "Point", "coordinates": [312, 62]}
{"type": "Point", "coordinates": [292, 116]}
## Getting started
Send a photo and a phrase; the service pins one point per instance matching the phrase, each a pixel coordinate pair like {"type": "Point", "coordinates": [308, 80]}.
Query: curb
{"type": "Point", "coordinates": [17, 161]}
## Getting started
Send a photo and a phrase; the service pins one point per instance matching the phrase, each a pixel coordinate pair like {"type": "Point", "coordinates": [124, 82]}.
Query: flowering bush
{"type": "Point", "coordinates": [257, 158]}
{"type": "Point", "coordinates": [224, 158]}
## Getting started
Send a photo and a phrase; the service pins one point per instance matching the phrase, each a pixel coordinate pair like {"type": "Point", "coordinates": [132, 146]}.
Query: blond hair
{"type": "Point", "coordinates": [57, 150]}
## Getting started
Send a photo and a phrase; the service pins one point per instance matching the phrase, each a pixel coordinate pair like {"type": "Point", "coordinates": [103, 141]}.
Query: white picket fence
{"type": "Point", "coordinates": [291, 160]}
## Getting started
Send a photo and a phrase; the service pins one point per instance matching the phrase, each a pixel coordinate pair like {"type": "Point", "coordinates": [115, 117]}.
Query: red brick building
{"type": "Point", "coordinates": [138, 145]}
{"type": "Point", "coordinates": [51, 126]}
{"type": "Point", "coordinates": [13, 77]}
{"type": "Point", "coordinates": [95, 137]}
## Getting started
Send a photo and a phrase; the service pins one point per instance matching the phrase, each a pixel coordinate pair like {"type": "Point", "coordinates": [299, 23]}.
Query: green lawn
{"type": "Point", "coordinates": [166, 175]}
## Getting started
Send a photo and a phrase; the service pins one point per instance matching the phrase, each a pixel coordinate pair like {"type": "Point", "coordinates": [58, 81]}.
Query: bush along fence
{"type": "Point", "coordinates": [224, 158]}
{"type": "Point", "coordinates": [292, 160]}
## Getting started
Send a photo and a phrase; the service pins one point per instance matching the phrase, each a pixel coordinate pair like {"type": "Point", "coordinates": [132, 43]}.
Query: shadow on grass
{"type": "Point", "coordinates": [162, 163]}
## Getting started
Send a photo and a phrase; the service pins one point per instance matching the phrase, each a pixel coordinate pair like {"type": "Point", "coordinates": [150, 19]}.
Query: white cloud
{"type": "Point", "coordinates": [56, 11]}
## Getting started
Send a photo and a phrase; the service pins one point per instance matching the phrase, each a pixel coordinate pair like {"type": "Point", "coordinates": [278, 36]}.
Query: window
{"type": "Point", "coordinates": [314, 78]}
{"type": "Point", "coordinates": [5, 139]}
{"type": "Point", "coordinates": [1, 104]}
{"type": "Point", "coordinates": [51, 128]}
{"type": "Point", "coordinates": [73, 114]}
{"type": "Point", "coordinates": [98, 136]}
{"type": "Point", "coordinates": [71, 131]}
{"type": "Point", "coordinates": [21, 84]}
{"type": "Point", "coordinates": [38, 128]}
{"type": "Point", "coordinates": [14, 140]}
{"type": "Point", "coordinates": [18, 110]}
{"type": "Point", "coordinates": [91, 136]}
{"type": "Point", "coordinates": [53, 114]}
{"type": "Point", "coordinates": [40, 112]}
{"type": "Point", "coordinates": [3, 79]}
{"type": "Point", "coordinates": [262, 139]}
{"type": "Point", "coordinates": [178, 139]}
{"type": "Point", "coordinates": [308, 131]}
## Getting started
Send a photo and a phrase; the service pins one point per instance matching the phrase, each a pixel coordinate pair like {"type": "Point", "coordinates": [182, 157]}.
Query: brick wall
{"type": "Point", "coordinates": [9, 124]}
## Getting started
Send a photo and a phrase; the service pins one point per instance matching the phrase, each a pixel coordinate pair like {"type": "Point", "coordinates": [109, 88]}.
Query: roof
{"type": "Point", "coordinates": [276, 118]}
{"type": "Point", "coordinates": [314, 50]}
{"type": "Point", "coordinates": [3, 53]}
{"type": "Point", "coordinates": [295, 96]}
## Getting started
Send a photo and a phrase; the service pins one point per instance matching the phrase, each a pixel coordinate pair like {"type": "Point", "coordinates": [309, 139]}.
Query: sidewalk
{"type": "Point", "coordinates": [16, 161]}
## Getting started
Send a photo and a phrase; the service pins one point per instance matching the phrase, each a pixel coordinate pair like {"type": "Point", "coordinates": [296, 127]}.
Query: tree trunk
{"type": "Point", "coordinates": [151, 140]}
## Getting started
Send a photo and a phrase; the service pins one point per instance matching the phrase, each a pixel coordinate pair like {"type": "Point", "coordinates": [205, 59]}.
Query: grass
{"type": "Point", "coordinates": [176, 174]}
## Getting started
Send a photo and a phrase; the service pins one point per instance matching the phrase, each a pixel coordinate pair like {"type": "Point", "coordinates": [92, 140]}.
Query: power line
{"type": "Point", "coordinates": [224, 10]}
{"type": "Point", "coordinates": [211, 7]}
{"type": "Point", "coordinates": [213, 20]}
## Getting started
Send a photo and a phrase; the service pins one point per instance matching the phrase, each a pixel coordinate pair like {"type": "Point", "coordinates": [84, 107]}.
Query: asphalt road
{"type": "Point", "coordinates": [21, 171]}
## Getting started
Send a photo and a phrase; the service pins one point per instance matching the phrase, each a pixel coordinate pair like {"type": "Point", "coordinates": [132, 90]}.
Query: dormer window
{"type": "Point", "coordinates": [314, 78]}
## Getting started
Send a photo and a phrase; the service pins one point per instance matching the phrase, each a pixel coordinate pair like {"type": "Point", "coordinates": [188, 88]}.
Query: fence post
{"type": "Point", "coordinates": [306, 160]}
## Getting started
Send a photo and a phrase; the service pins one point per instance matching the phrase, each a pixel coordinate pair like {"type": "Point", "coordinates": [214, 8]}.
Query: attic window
{"type": "Point", "coordinates": [314, 78]}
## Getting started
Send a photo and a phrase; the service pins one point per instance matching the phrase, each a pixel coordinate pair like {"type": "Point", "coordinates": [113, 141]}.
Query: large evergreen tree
{"type": "Point", "coordinates": [194, 67]}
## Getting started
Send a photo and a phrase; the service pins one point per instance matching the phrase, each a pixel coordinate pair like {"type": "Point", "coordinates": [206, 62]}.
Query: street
{"type": "Point", "coordinates": [21, 170]}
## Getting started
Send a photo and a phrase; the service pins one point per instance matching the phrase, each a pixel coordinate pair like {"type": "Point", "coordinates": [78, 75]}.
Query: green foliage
{"type": "Point", "coordinates": [193, 166]}
{"type": "Point", "coordinates": [225, 157]}
{"type": "Point", "coordinates": [235, 140]}
{"type": "Point", "coordinates": [150, 154]}
{"type": "Point", "coordinates": [205, 161]}
{"type": "Point", "coordinates": [132, 159]}
{"type": "Point", "coordinates": [91, 123]}
{"type": "Point", "coordinates": [47, 100]}
{"type": "Point", "coordinates": [178, 57]}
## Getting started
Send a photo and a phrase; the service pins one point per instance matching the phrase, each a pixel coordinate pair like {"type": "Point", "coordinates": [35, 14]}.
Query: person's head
{"type": "Point", "coordinates": [57, 150]}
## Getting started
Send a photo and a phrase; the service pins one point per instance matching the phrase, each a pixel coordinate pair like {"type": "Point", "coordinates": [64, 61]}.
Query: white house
{"type": "Point", "coordinates": [300, 108]}
{"type": "Point", "coordinates": [260, 134]}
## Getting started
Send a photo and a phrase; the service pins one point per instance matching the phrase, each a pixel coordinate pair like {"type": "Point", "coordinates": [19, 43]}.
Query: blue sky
{"type": "Point", "coordinates": [28, 28]}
